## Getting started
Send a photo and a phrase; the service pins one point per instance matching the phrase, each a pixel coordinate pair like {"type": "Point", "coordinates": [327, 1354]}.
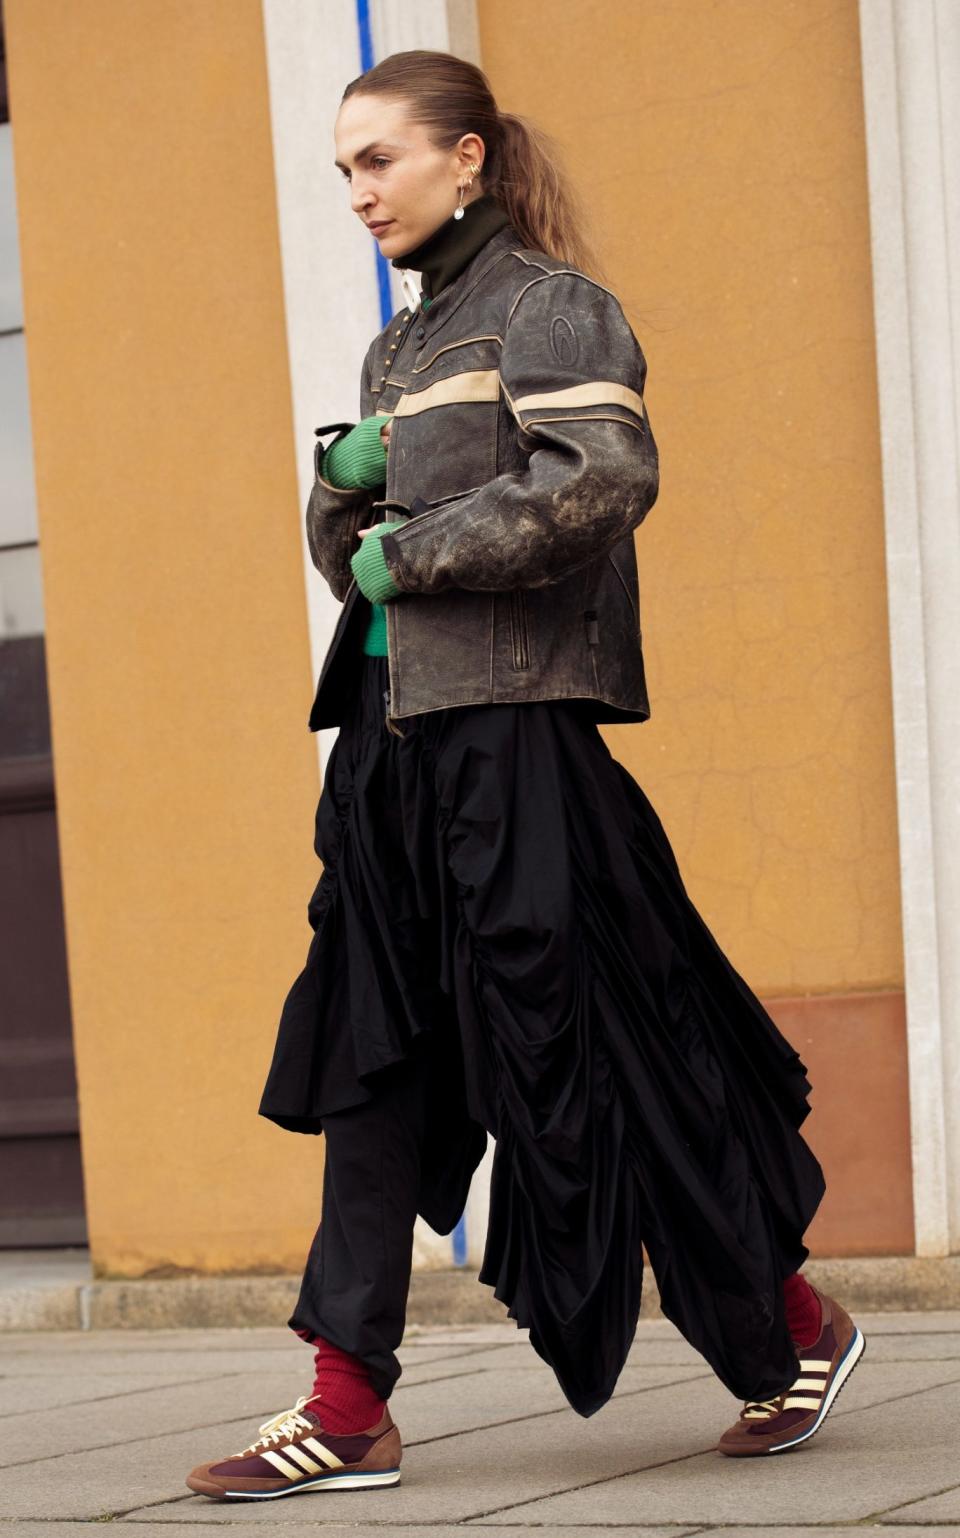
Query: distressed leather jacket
{"type": "Point", "coordinates": [521, 459]}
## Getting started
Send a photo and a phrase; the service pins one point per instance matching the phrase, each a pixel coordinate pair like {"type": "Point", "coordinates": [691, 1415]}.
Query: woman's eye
{"type": "Point", "coordinates": [373, 161]}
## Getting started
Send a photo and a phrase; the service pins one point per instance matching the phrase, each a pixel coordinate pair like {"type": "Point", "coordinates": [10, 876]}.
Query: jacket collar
{"type": "Point", "coordinates": [449, 300]}
{"type": "Point", "coordinates": [444, 254]}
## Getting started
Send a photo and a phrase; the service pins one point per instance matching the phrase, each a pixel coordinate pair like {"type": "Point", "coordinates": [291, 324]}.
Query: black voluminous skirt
{"type": "Point", "coordinates": [498, 890]}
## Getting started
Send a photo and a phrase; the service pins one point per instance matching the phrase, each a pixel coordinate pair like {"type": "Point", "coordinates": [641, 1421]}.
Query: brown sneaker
{"type": "Point", "coordinates": [294, 1452]}
{"type": "Point", "coordinates": [774, 1425]}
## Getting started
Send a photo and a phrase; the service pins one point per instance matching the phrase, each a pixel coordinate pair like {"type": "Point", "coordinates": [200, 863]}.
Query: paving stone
{"type": "Point", "coordinates": [102, 1481]}
{"type": "Point", "coordinates": [903, 1347]}
{"type": "Point", "coordinates": [456, 1334]}
{"type": "Point", "coordinates": [41, 1392]}
{"type": "Point", "coordinates": [156, 1410]}
{"type": "Point", "coordinates": [944, 1507]}
{"type": "Point", "coordinates": [908, 1322]}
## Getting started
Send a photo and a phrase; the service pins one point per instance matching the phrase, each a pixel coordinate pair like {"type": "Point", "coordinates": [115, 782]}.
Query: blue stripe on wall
{"type": "Point", "coordinates": [365, 31]}
{"type": "Point", "coordinates": [460, 1243]}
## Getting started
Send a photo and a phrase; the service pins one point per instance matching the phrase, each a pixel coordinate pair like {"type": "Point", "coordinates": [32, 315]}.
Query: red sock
{"type": "Point", "coordinates": [803, 1310]}
{"type": "Point", "coordinates": [348, 1401]}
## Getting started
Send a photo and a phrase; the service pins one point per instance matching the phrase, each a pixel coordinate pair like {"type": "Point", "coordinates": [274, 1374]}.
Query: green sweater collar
{"type": "Point", "coordinates": [444, 254]}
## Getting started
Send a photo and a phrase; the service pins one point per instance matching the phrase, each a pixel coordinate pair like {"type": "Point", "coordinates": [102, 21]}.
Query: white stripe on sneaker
{"type": "Point", "coordinates": [290, 1469]}
{"type": "Point", "coordinates": [304, 1459]}
{"type": "Point", "coordinates": [324, 1453]}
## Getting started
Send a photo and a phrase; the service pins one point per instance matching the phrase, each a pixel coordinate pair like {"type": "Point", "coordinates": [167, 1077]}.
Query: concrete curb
{"type": "Point", "coordinates": [59, 1302]}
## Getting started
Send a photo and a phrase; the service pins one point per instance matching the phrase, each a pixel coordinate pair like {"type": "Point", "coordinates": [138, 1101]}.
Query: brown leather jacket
{"type": "Point", "coordinates": [521, 459]}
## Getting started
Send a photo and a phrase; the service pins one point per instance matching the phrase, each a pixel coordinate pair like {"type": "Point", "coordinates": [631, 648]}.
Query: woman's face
{"type": "Point", "coordinates": [397, 178]}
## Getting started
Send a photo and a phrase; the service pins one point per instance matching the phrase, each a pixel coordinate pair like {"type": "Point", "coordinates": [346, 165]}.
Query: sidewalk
{"type": "Point", "coordinates": [103, 1425]}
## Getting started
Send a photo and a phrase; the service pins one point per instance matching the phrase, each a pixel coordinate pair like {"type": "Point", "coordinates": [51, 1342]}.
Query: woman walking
{"type": "Point", "coordinates": [502, 941]}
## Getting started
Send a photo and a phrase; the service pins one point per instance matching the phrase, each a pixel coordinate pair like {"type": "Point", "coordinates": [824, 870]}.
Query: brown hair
{"type": "Point", "coordinates": [523, 168]}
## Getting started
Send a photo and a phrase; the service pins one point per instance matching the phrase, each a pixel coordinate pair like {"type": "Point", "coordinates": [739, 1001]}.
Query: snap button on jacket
{"type": "Point", "coordinates": [521, 459]}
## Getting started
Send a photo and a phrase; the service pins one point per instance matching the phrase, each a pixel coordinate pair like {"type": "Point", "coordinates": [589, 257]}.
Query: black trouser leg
{"type": "Point", "coordinates": [355, 1286]}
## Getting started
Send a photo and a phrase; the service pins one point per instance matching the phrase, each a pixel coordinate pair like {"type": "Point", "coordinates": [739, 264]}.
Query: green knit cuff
{"type": "Point", "coordinates": [370, 568]}
{"type": "Point", "coordinates": [358, 459]}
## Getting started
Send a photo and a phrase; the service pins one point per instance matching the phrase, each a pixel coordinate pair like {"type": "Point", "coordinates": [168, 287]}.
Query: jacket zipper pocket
{"type": "Point", "coordinates": [518, 628]}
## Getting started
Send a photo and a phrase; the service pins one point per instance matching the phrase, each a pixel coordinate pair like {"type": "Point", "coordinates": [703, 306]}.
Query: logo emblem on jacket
{"type": "Point", "coordinates": [563, 341]}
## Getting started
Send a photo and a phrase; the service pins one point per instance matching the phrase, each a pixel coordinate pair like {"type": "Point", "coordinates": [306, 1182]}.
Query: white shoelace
{"type": "Point", "coordinates": [286, 1424]}
{"type": "Point", "coordinates": [757, 1409]}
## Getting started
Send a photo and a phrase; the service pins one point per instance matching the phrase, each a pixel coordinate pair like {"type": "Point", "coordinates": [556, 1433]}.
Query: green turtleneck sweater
{"type": "Point", "coordinates": [359, 458]}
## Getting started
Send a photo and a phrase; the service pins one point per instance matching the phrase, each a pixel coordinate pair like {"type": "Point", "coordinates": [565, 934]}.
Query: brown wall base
{"type": "Point", "coordinates": [855, 1048]}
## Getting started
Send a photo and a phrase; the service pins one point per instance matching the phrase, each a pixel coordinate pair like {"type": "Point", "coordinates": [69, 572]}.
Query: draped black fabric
{"type": "Point", "coordinates": [497, 888]}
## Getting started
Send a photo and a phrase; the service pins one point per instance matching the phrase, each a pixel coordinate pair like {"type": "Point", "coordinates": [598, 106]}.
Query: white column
{"type": "Point", "coordinates": [329, 264]}
{"type": "Point", "coordinates": [331, 293]}
{"type": "Point", "coordinates": [911, 83]}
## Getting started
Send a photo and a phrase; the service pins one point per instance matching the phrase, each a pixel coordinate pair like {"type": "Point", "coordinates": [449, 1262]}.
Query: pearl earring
{"type": "Point", "coordinates": [458, 211]}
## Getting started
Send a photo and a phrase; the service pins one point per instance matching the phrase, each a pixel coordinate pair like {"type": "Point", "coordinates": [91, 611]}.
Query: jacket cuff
{"type": "Point", "coordinates": [359, 459]}
{"type": "Point", "coordinates": [370, 569]}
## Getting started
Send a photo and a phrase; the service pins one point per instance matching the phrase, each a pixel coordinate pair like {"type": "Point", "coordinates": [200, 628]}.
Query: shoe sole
{"type": "Point", "coordinates": [845, 1366]}
{"type": "Point", "coordinates": [328, 1482]}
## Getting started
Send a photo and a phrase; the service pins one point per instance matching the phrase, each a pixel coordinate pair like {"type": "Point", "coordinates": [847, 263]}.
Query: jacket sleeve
{"type": "Point", "coordinates": [334, 513]}
{"type": "Point", "coordinates": [572, 374]}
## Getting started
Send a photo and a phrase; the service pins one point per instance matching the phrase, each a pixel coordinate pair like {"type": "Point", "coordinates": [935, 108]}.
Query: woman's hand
{"type": "Point", "coordinates": [370, 568]}
{"type": "Point", "coordinates": [385, 439]}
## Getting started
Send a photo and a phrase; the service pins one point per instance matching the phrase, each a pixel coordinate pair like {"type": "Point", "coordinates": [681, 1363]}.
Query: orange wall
{"type": "Point", "coordinates": [177, 637]}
